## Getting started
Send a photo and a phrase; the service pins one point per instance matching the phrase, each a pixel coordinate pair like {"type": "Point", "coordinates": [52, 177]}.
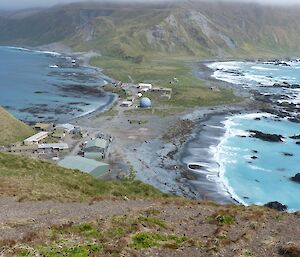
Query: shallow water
{"type": "Point", "coordinates": [33, 91]}
{"type": "Point", "coordinates": [252, 170]}
{"type": "Point", "coordinates": [267, 178]}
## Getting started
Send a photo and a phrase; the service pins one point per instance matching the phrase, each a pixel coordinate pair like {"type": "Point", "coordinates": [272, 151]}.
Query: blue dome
{"type": "Point", "coordinates": [145, 102]}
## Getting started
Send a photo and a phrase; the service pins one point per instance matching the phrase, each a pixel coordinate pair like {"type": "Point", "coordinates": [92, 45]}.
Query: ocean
{"type": "Point", "coordinates": [46, 86]}
{"type": "Point", "coordinates": [252, 170]}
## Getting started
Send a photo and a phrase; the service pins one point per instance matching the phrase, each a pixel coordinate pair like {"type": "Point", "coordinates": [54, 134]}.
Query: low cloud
{"type": "Point", "coordinates": [19, 4]}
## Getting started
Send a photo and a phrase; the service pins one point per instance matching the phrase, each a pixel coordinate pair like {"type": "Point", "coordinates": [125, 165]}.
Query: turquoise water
{"type": "Point", "coordinates": [40, 86]}
{"type": "Point", "coordinates": [267, 178]}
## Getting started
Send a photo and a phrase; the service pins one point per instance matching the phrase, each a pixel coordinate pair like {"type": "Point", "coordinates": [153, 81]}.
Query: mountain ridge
{"type": "Point", "coordinates": [192, 29]}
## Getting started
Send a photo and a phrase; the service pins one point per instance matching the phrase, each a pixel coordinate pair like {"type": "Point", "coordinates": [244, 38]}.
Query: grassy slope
{"type": "Point", "coordinates": [39, 180]}
{"type": "Point", "coordinates": [187, 93]}
{"type": "Point", "coordinates": [12, 130]}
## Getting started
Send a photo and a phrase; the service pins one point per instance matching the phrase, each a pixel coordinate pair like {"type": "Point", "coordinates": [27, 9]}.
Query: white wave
{"type": "Point", "coordinates": [221, 73]}
{"type": "Point", "coordinates": [263, 68]}
{"type": "Point", "coordinates": [251, 116]}
{"type": "Point", "coordinates": [223, 180]}
{"type": "Point", "coordinates": [19, 48]}
{"type": "Point", "coordinates": [32, 50]}
{"type": "Point", "coordinates": [216, 127]}
{"type": "Point", "coordinates": [222, 155]}
{"type": "Point", "coordinates": [259, 79]}
{"type": "Point", "coordinates": [259, 168]}
{"type": "Point", "coordinates": [227, 77]}
{"type": "Point", "coordinates": [224, 65]}
{"type": "Point", "coordinates": [47, 52]}
{"type": "Point", "coordinates": [212, 178]}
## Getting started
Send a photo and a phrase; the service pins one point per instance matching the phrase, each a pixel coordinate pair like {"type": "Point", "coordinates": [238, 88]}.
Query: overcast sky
{"type": "Point", "coordinates": [19, 4]}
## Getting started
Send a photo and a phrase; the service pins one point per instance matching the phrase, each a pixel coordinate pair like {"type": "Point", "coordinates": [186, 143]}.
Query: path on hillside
{"type": "Point", "coordinates": [19, 218]}
{"type": "Point", "coordinates": [223, 231]}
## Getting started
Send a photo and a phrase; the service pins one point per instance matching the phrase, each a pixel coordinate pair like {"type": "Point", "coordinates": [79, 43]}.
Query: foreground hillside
{"type": "Point", "coordinates": [51, 211]}
{"type": "Point", "coordinates": [29, 179]}
{"type": "Point", "coordinates": [185, 28]}
{"type": "Point", "coordinates": [12, 130]}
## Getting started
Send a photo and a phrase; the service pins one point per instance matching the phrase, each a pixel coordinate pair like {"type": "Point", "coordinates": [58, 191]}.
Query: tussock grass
{"type": "Point", "coordinates": [12, 130]}
{"type": "Point", "coordinates": [30, 179]}
{"type": "Point", "coordinates": [102, 238]}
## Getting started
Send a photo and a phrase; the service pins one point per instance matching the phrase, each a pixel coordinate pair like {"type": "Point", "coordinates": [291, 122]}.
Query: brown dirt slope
{"type": "Point", "coordinates": [166, 227]}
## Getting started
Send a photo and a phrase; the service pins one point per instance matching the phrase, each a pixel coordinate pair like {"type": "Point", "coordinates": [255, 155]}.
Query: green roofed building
{"type": "Point", "coordinates": [96, 149]}
{"type": "Point", "coordinates": [89, 166]}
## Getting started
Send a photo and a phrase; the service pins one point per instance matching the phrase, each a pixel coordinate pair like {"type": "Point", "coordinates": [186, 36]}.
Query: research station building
{"type": "Point", "coordinates": [96, 149]}
{"type": "Point", "coordinates": [85, 165]}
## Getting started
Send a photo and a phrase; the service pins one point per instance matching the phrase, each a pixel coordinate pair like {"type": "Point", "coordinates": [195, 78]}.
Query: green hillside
{"type": "Point", "coordinates": [29, 179]}
{"type": "Point", "coordinates": [12, 130]}
{"type": "Point", "coordinates": [137, 31]}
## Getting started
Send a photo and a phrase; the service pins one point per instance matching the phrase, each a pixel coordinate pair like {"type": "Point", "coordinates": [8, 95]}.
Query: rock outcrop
{"type": "Point", "coordinates": [276, 206]}
{"type": "Point", "coordinates": [265, 136]}
{"type": "Point", "coordinates": [296, 178]}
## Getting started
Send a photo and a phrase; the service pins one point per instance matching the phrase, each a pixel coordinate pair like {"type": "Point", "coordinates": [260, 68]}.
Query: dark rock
{"type": "Point", "coordinates": [276, 206]}
{"type": "Point", "coordinates": [195, 166]}
{"type": "Point", "coordinates": [266, 137]}
{"type": "Point", "coordinates": [286, 85]}
{"type": "Point", "coordinates": [40, 92]}
{"type": "Point", "coordinates": [254, 157]}
{"type": "Point", "coordinates": [295, 137]}
{"type": "Point", "coordinates": [281, 169]}
{"type": "Point", "coordinates": [294, 119]}
{"type": "Point", "coordinates": [296, 178]}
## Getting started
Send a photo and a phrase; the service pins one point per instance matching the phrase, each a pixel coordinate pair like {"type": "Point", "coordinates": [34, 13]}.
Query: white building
{"type": "Point", "coordinates": [145, 87]}
{"type": "Point", "coordinates": [126, 103]}
{"type": "Point", "coordinates": [55, 146]}
{"type": "Point", "coordinates": [67, 127]}
{"type": "Point", "coordinates": [35, 139]}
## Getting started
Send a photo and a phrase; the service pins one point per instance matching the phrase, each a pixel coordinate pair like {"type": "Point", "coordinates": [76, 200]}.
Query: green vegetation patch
{"type": "Point", "coordinates": [103, 237]}
{"type": "Point", "coordinates": [222, 219]}
{"type": "Point", "coordinates": [115, 89]}
{"type": "Point", "coordinates": [58, 250]}
{"type": "Point", "coordinates": [149, 239]}
{"type": "Point", "coordinates": [153, 220]}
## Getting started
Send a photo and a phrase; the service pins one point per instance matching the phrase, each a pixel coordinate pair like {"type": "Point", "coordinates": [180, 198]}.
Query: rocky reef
{"type": "Point", "coordinates": [266, 136]}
